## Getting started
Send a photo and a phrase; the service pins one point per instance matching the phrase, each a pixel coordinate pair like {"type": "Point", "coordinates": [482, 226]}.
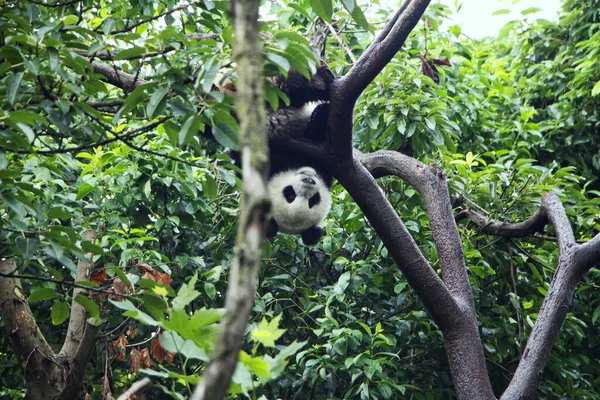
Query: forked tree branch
{"type": "Point", "coordinates": [462, 341]}
{"type": "Point", "coordinates": [243, 279]}
{"type": "Point", "coordinates": [345, 91]}
{"type": "Point", "coordinates": [571, 267]}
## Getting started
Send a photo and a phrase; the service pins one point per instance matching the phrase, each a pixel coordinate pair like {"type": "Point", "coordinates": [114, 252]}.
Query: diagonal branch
{"type": "Point", "coordinates": [120, 79]}
{"type": "Point", "coordinates": [77, 319]}
{"type": "Point", "coordinates": [555, 306]}
{"type": "Point", "coordinates": [462, 340]}
{"type": "Point", "coordinates": [345, 91]}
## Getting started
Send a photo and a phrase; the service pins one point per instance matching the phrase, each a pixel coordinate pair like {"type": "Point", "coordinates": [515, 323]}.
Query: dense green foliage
{"type": "Point", "coordinates": [511, 119]}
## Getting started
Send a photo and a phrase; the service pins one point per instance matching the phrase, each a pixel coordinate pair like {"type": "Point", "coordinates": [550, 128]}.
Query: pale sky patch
{"type": "Point", "coordinates": [476, 19]}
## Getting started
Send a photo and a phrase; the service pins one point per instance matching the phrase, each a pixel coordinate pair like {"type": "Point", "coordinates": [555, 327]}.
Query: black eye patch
{"type": "Point", "coordinates": [289, 193]}
{"type": "Point", "coordinates": [313, 201]}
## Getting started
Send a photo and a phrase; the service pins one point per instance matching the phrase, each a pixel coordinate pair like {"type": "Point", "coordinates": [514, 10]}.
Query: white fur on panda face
{"type": "Point", "coordinates": [300, 199]}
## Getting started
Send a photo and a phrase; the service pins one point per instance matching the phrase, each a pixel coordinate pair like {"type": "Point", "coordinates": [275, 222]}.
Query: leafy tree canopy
{"type": "Point", "coordinates": [111, 120]}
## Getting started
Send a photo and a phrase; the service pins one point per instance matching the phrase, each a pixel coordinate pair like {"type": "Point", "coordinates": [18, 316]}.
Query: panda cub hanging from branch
{"type": "Point", "coordinates": [299, 186]}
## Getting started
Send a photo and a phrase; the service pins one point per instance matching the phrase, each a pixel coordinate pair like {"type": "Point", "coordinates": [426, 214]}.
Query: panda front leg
{"type": "Point", "coordinates": [312, 235]}
{"type": "Point", "coordinates": [272, 228]}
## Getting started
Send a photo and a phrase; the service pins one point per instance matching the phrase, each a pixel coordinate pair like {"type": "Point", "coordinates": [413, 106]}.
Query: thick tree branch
{"type": "Point", "coordinates": [251, 231]}
{"type": "Point", "coordinates": [26, 339]}
{"type": "Point", "coordinates": [463, 344]}
{"type": "Point", "coordinates": [345, 91]}
{"type": "Point", "coordinates": [399, 242]}
{"type": "Point", "coordinates": [533, 224]}
{"type": "Point", "coordinates": [588, 254]}
{"type": "Point", "coordinates": [120, 79]}
{"type": "Point", "coordinates": [554, 309]}
{"type": "Point", "coordinates": [78, 313]}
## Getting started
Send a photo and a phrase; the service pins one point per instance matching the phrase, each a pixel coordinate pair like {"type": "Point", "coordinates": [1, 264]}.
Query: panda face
{"type": "Point", "coordinates": [300, 199]}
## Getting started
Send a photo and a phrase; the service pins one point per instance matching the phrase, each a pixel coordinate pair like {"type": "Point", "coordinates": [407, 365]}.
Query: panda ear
{"type": "Point", "coordinates": [311, 236]}
{"type": "Point", "coordinates": [318, 123]}
{"type": "Point", "coordinates": [272, 228]}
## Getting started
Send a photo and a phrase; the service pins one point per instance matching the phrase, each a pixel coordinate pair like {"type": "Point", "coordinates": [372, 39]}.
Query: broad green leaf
{"type": "Point", "coordinates": [531, 10]}
{"type": "Point", "coordinates": [13, 87]}
{"type": "Point", "coordinates": [59, 212]}
{"type": "Point", "coordinates": [226, 136]}
{"type": "Point", "coordinates": [189, 129]}
{"type": "Point", "coordinates": [356, 13]}
{"type": "Point", "coordinates": [70, 20]}
{"type": "Point", "coordinates": [84, 189]}
{"type": "Point", "coordinates": [323, 8]}
{"type": "Point", "coordinates": [42, 294]}
{"type": "Point", "coordinates": [59, 312]}
{"type": "Point", "coordinates": [89, 305]}
{"type": "Point", "coordinates": [596, 89]}
{"type": "Point", "coordinates": [157, 102]}
{"type": "Point", "coordinates": [186, 294]}
{"type": "Point", "coordinates": [266, 333]}
{"type": "Point", "coordinates": [27, 246]}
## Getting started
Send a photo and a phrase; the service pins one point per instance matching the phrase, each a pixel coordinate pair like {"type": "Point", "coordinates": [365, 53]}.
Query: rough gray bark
{"type": "Point", "coordinates": [255, 205]}
{"type": "Point", "coordinates": [48, 375]}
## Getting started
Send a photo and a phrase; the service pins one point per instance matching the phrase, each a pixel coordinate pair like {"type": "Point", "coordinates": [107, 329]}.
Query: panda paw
{"type": "Point", "coordinates": [311, 236]}
{"type": "Point", "coordinates": [272, 229]}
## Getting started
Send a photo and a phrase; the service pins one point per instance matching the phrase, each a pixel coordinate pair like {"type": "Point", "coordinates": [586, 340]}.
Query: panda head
{"type": "Point", "coordinates": [300, 199]}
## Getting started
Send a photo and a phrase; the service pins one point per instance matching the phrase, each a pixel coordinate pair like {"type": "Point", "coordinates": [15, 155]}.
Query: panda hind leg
{"type": "Point", "coordinates": [317, 126]}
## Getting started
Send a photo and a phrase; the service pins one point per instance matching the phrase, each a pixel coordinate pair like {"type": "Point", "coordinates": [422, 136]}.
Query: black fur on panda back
{"type": "Point", "coordinates": [299, 123]}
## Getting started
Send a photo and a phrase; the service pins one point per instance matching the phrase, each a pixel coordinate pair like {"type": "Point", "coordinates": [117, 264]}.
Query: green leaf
{"type": "Point", "coordinates": [189, 129]}
{"type": "Point", "coordinates": [84, 189]}
{"type": "Point", "coordinates": [186, 294]}
{"type": "Point", "coordinates": [89, 305]}
{"type": "Point", "coordinates": [531, 10]}
{"type": "Point", "coordinates": [257, 365]}
{"type": "Point", "coordinates": [157, 102]}
{"type": "Point", "coordinates": [27, 117]}
{"type": "Point", "coordinates": [210, 74]}
{"type": "Point", "coordinates": [42, 294]}
{"type": "Point", "coordinates": [70, 20]}
{"type": "Point", "coordinates": [59, 212]}
{"type": "Point", "coordinates": [13, 87]}
{"type": "Point", "coordinates": [596, 89]}
{"type": "Point", "coordinates": [209, 187]}
{"type": "Point", "coordinates": [226, 136]}
{"type": "Point", "coordinates": [59, 312]}
{"type": "Point", "coordinates": [267, 332]}
{"type": "Point", "coordinates": [356, 13]}
{"type": "Point", "coordinates": [280, 61]}
{"type": "Point", "coordinates": [323, 8]}
{"type": "Point", "coordinates": [89, 247]}
{"type": "Point", "coordinates": [27, 246]}
{"type": "Point", "coordinates": [501, 12]}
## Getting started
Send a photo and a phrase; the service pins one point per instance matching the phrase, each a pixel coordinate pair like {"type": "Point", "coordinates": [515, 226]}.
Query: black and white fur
{"type": "Point", "coordinates": [298, 186]}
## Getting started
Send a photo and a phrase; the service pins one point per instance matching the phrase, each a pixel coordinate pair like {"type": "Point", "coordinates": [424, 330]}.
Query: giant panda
{"type": "Point", "coordinates": [298, 185]}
